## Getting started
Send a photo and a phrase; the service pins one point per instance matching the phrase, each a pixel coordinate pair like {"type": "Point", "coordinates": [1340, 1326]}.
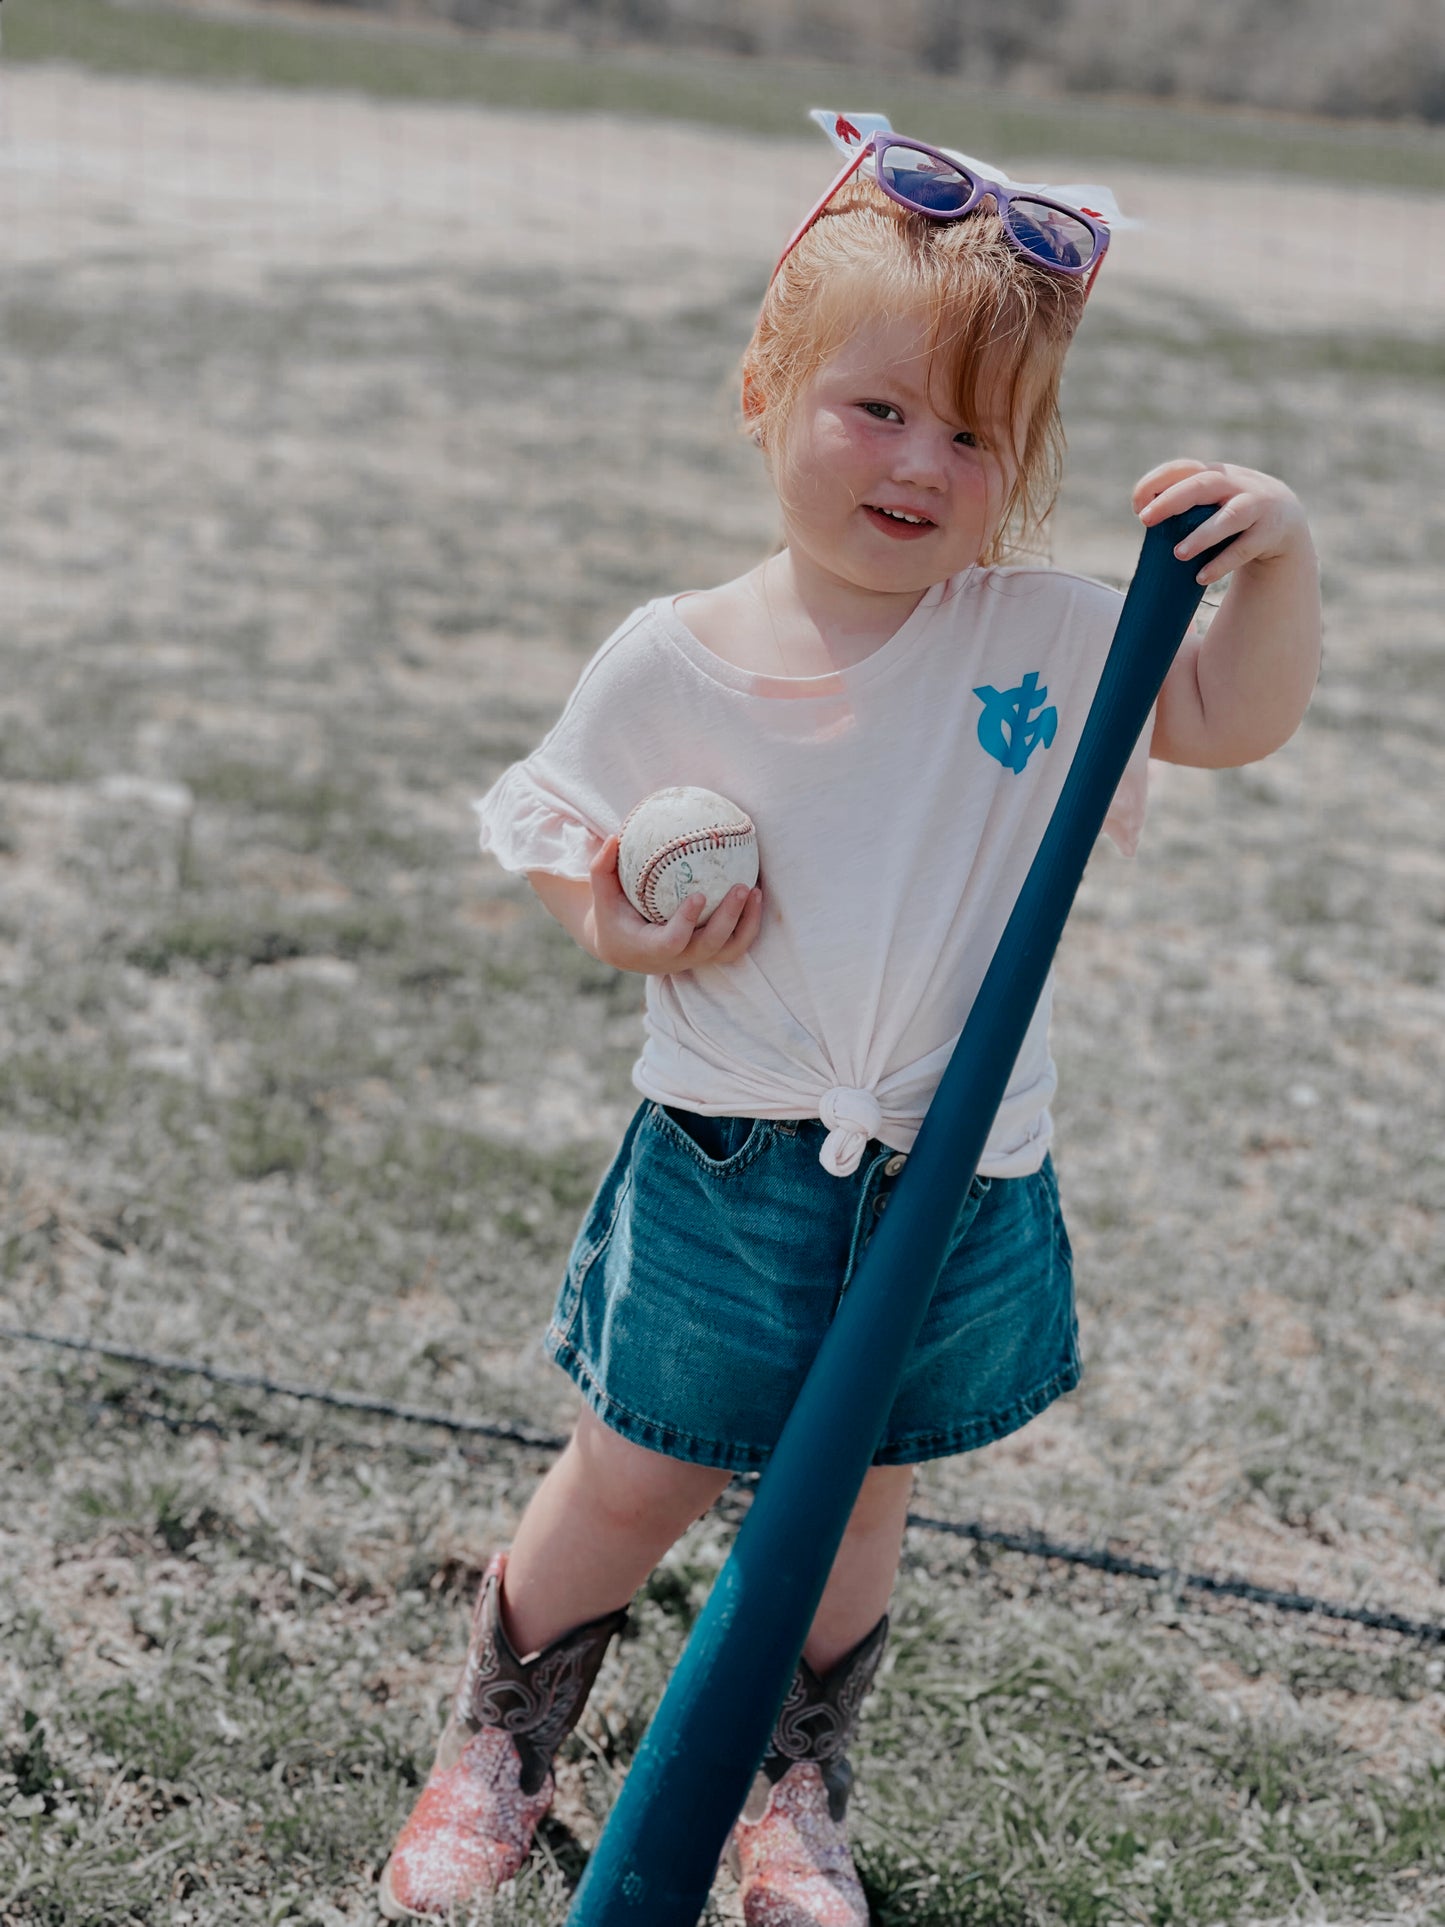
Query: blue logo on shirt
{"type": "Point", "coordinates": [1008, 728]}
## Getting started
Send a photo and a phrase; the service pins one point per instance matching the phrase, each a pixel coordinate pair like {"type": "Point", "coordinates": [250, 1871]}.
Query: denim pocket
{"type": "Point", "coordinates": [1061, 1236]}
{"type": "Point", "coordinates": [597, 1227]}
{"type": "Point", "coordinates": [969, 1207]}
{"type": "Point", "coordinates": [721, 1145]}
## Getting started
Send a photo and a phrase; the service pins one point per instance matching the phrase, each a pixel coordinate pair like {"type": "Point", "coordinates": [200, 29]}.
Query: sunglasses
{"type": "Point", "coordinates": [1063, 239]}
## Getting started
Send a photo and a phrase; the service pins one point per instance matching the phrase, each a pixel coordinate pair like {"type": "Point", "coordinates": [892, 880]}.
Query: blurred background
{"type": "Point", "coordinates": [1302, 56]}
{"type": "Point", "coordinates": [360, 370]}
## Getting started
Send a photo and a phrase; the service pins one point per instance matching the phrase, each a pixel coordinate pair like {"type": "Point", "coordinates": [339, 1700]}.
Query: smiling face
{"type": "Point", "coordinates": [944, 323]}
{"type": "Point", "coordinates": [883, 486]}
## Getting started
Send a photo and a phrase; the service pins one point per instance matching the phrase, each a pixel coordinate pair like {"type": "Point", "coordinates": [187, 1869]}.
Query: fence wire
{"type": "Point", "coordinates": [1031, 1545]}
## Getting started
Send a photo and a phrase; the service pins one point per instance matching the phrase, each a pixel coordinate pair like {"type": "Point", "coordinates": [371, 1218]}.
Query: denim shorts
{"type": "Point", "coordinates": [713, 1258]}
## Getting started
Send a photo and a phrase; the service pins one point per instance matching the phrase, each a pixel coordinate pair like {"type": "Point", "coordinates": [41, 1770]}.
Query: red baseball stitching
{"type": "Point", "coordinates": [714, 837]}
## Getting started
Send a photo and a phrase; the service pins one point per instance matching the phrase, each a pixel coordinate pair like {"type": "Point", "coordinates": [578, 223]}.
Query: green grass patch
{"type": "Point", "coordinates": [1079, 1775]}
{"type": "Point", "coordinates": [269, 1134]}
{"type": "Point", "coordinates": [357, 55]}
{"type": "Point", "coordinates": [223, 941]}
{"type": "Point", "coordinates": [56, 1086]}
{"type": "Point", "coordinates": [310, 810]}
{"type": "Point", "coordinates": [176, 1514]}
{"type": "Point", "coordinates": [427, 1175]}
{"type": "Point", "coordinates": [1208, 337]}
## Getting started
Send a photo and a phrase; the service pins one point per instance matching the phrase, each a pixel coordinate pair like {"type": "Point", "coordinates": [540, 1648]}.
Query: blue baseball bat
{"type": "Point", "coordinates": [658, 1853]}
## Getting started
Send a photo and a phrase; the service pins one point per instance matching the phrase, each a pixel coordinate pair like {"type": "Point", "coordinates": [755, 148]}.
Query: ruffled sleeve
{"type": "Point", "coordinates": [528, 826]}
{"type": "Point", "coordinates": [555, 809]}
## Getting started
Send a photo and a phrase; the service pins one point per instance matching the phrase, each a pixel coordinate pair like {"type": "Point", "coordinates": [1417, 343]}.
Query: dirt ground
{"type": "Point", "coordinates": [334, 435]}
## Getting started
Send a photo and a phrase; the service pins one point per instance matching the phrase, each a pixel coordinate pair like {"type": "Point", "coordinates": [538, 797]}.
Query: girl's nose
{"type": "Point", "coordinates": [922, 460]}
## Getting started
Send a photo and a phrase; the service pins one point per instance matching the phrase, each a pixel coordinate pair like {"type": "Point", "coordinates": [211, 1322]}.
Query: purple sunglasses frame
{"type": "Point", "coordinates": [983, 186]}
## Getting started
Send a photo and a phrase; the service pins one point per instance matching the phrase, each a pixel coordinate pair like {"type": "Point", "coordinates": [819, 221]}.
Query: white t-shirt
{"type": "Point", "coordinates": [898, 805]}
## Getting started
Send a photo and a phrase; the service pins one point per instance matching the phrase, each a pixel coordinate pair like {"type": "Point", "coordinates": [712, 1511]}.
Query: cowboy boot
{"type": "Point", "coordinates": [492, 1780]}
{"type": "Point", "coordinates": [789, 1850]}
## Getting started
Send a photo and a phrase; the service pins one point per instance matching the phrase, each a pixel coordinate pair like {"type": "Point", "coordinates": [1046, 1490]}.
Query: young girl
{"type": "Point", "coordinates": [897, 713]}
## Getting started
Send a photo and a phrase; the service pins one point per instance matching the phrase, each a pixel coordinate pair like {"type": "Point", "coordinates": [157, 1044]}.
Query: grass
{"type": "Point", "coordinates": [714, 89]}
{"type": "Point", "coordinates": [1235, 1823]}
{"type": "Point", "coordinates": [1078, 1771]}
{"type": "Point", "coordinates": [230, 939]}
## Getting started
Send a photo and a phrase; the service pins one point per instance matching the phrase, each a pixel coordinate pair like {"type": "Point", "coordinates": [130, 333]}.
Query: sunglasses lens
{"type": "Point", "coordinates": [924, 181]}
{"type": "Point", "coordinates": [1050, 235]}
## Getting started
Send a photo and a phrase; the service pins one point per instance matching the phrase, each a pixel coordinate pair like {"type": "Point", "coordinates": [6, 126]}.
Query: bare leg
{"type": "Point", "coordinates": [594, 1529]}
{"type": "Point", "coordinates": [861, 1582]}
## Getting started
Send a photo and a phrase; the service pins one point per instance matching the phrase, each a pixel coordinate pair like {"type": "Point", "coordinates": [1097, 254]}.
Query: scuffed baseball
{"type": "Point", "coordinates": [679, 841]}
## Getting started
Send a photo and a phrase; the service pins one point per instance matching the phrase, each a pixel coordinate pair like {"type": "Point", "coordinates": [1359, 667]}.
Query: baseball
{"type": "Point", "coordinates": [679, 841]}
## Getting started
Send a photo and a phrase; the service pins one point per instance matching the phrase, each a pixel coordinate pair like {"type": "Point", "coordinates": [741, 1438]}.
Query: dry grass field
{"type": "Point", "coordinates": [334, 435]}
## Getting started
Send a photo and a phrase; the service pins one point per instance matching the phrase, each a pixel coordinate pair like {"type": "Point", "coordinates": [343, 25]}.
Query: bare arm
{"type": "Point", "coordinates": [596, 915]}
{"type": "Point", "coordinates": [1237, 693]}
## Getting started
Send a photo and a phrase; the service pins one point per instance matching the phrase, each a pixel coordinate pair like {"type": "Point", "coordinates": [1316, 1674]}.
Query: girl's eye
{"type": "Point", "coordinates": [883, 411]}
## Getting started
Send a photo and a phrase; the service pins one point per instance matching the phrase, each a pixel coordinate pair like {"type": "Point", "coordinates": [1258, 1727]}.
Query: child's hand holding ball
{"type": "Point", "coordinates": [676, 887]}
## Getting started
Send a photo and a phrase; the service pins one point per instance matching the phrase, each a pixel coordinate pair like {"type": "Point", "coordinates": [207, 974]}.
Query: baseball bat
{"type": "Point", "coordinates": [658, 1853]}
